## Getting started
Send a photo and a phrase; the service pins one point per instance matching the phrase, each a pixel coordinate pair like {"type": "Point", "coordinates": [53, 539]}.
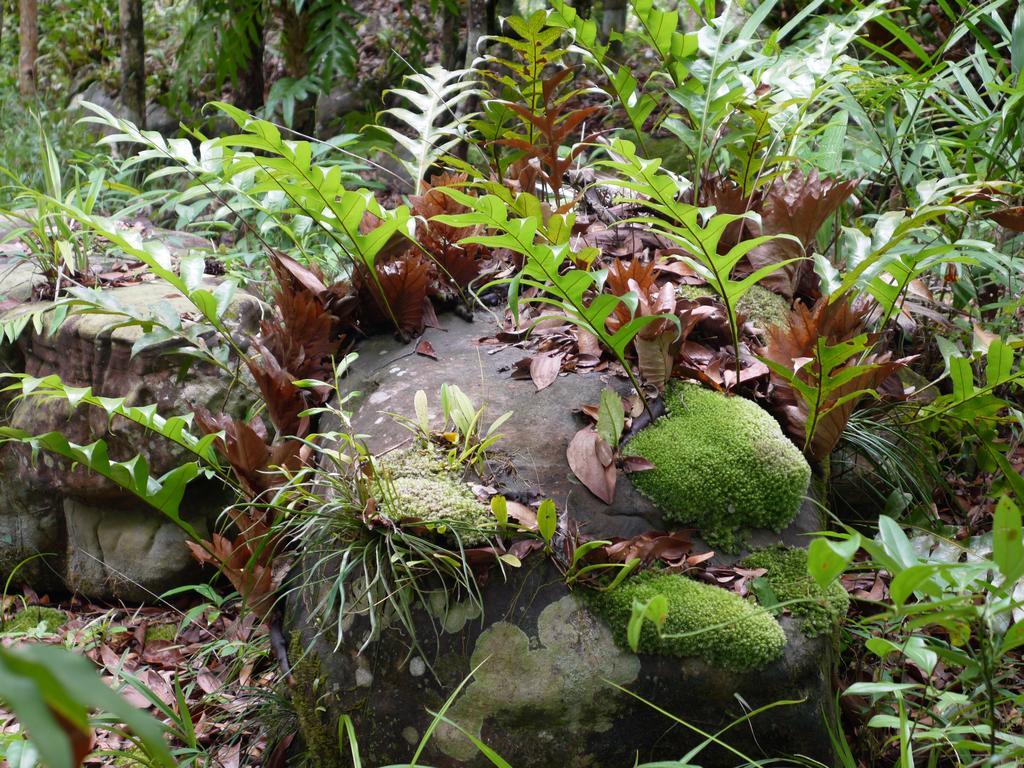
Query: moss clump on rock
{"type": "Point", "coordinates": [712, 623]}
{"type": "Point", "coordinates": [27, 619]}
{"type": "Point", "coordinates": [789, 580]}
{"type": "Point", "coordinates": [759, 305]}
{"type": "Point", "coordinates": [306, 693]}
{"type": "Point", "coordinates": [161, 633]}
{"type": "Point", "coordinates": [413, 485]}
{"type": "Point", "coordinates": [721, 463]}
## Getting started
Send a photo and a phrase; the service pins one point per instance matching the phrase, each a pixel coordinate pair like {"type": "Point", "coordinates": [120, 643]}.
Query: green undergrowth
{"type": "Point", "coordinates": [722, 464]}
{"type": "Point", "coordinates": [822, 608]}
{"type": "Point", "coordinates": [27, 619]}
{"type": "Point", "coordinates": [704, 621]}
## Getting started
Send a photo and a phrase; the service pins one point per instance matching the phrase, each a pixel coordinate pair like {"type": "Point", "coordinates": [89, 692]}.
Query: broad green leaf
{"type": "Point", "coordinates": [1008, 540]}
{"type": "Point", "coordinates": [547, 519]}
{"type": "Point", "coordinates": [895, 542]}
{"type": "Point", "coordinates": [827, 558]}
{"type": "Point", "coordinates": [611, 417]}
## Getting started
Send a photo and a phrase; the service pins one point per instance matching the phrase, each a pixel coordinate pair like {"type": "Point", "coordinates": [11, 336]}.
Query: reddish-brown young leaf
{"type": "Point", "coordinates": [551, 125]}
{"type": "Point", "coordinates": [285, 402]}
{"type": "Point", "coordinates": [456, 265]}
{"type": "Point", "coordinates": [726, 196]}
{"type": "Point", "coordinates": [1010, 218]}
{"type": "Point", "coordinates": [251, 459]}
{"type": "Point", "coordinates": [395, 294]}
{"type": "Point", "coordinates": [796, 205]}
{"type": "Point", "coordinates": [796, 344]}
{"type": "Point", "coordinates": [294, 277]}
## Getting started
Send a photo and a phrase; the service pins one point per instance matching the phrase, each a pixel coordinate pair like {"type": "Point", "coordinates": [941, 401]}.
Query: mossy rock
{"type": "Point", "coordinates": [759, 305]}
{"type": "Point", "coordinates": [27, 619]}
{"type": "Point", "coordinates": [721, 463]}
{"type": "Point", "coordinates": [820, 608]}
{"type": "Point", "coordinates": [538, 671]}
{"type": "Point", "coordinates": [321, 743]}
{"type": "Point", "coordinates": [703, 621]}
{"type": "Point", "coordinates": [415, 484]}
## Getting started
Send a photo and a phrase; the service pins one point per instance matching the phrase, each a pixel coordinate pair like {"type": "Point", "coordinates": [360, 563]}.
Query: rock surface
{"type": "Point", "coordinates": [545, 694]}
{"type": "Point", "coordinates": [541, 674]}
{"type": "Point", "coordinates": [98, 541]}
{"type": "Point", "coordinates": [388, 374]}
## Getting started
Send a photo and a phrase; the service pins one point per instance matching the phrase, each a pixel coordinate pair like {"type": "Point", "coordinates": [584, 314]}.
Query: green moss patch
{"type": "Point", "coordinates": [709, 622]}
{"type": "Point", "coordinates": [722, 464]}
{"type": "Point", "coordinates": [27, 619]}
{"type": "Point", "coordinates": [413, 485]}
{"type": "Point", "coordinates": [759, 305]}
{"type": "Point", "coordinates": [165, 633]}
{"type": "Point", "coordinates": [306, 693]}
{"type": "Point", "coordinates": [788, 578]}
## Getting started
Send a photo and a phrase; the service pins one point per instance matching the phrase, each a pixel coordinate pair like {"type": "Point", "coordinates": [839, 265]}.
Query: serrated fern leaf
{"type": "Point", "coordinates": [432, 97]}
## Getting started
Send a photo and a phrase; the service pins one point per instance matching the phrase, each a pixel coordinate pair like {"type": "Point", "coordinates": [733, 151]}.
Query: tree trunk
{"type": "Point", "coordinates": [497, 10]}
{"type": "Point", "coordinates": [448, 34]}
{"type": "Point", "coordinates": [133, 61]}
{"type": "Point", "coordinates": [613, 19]}
{"type": "Point", "coordinates": [251, 83]}
{"type": "Point", "coordinates": [294, 39]}
{"type": "Point", "coordinates": [476, 27]}
{"type": "Point", "coordinates": [28, 32]}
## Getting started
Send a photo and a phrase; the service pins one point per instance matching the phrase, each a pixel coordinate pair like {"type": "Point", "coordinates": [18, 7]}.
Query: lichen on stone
{"type": "Point", "coordinates": [788, 578]}
{"type": "Point", "coordinates": [761, 306]}
{"type": "Point", "coordinates": [27, 619]}
{"type": "Point", "coordinates": [704, 621]}
{"type": "Point", "coordinates": [557, 681]}
{"type": "Point", "coordinates": [412, 484]}
{"type": "Point", "coordinates": [722, 464]}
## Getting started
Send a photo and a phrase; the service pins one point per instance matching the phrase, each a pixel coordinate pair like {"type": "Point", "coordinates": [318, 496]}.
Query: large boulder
{"type": "Point", "coordinates": [541, 661]}
{"type": "Point", "coordinates": [95, 539]}
{"type": "Point", "coordinates": [388, 374]}
{"type": "Point", "coordinates": [542, 672]}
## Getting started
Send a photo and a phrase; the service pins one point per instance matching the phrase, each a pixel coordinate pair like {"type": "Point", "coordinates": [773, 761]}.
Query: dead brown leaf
{"type": "Point", "coordinates": [584, 456]}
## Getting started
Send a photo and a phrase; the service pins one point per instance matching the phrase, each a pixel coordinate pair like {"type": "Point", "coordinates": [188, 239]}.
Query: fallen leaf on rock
{"type": "Point", "coordinates": [544, 370]}
{"type": "Point", "coordinates": [636, 464]}
{"type": "Point", "coordinates": [672, 548]}
{"type": "Point", "coordinates": [426, 349]}
{"type": "Point", "coordinates": [521, 513]}
{"type": "Point", "coordinates": [584, 456]}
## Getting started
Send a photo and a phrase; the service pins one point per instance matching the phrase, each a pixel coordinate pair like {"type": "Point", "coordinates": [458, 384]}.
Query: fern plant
{"type": "Point", "coordinates": [687, 226]}
{"type": "Point", "coordinates": [434, 97]}
{"type": "Point", "coordinates": [619, 82]}
{"type": "Point", "coordinates": [549, 268]}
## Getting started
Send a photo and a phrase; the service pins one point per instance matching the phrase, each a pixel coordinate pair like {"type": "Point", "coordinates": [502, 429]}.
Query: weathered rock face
{"type": "Point", "coordinates": [389, 373]}
{"type": "Point", "coordinates": [98, 541]}
{"type": "Point", "coordinates": [544, 695]}
{"type": "Point", "coordinates": [542, 672]}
